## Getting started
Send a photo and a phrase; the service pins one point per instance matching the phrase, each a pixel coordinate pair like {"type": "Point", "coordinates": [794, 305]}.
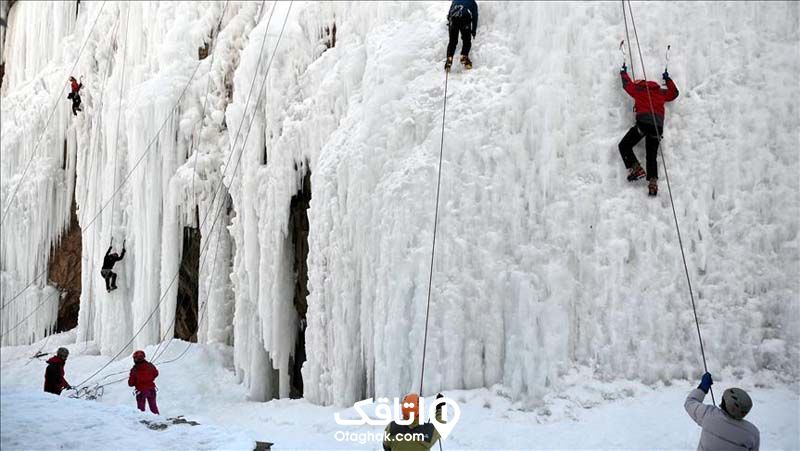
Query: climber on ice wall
{"type": "Point", "coordinates": [108, 263]}
{"type": "Point", "coordinates": [724, 427]}
{"type": "Point", "coordinates": [461, 19]}
{"type": "Point", "coordinates": [649, 101]}
{"type": "Point", "coordinates": [74, 95]}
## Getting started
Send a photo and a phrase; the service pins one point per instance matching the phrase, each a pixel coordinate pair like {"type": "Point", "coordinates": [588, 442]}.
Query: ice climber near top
{"type": "Point", "coordinates": [142, 377]}
{"type": "Point", "coordinates": [724, 427]}
{"type": "Point", "coordinates": [462, 18]}
{"type": "Point", "coordinates": [649, 125]}
{"type": "Point", "coordinates": [396, 436]}
{"type": "Point", "coordinates": [108, 263]}
{"type": "Point", "coordinates": [75, 95]}
{"type": "Point", "coordinates": [54, 381]}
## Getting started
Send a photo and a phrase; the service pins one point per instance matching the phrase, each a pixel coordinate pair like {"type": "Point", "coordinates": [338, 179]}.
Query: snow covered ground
{"type": "Point", "coordinates": [201, 386]}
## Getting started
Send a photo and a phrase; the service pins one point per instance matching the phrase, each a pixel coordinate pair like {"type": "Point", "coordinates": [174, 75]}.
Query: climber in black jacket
{"type": "Point", "coordinates": [108, 263]}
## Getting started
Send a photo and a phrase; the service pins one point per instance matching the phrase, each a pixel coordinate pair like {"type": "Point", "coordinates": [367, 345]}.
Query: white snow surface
{"type": "Point", "coordinates": [202, 387]}
{"type": "Point", "coordinates": [548, 263]}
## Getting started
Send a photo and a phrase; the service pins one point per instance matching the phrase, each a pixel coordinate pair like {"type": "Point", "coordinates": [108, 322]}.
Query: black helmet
{"type": "Point", "coordinates": [62, 353]}
{"type": "Point", "coordinates": [736, 402]}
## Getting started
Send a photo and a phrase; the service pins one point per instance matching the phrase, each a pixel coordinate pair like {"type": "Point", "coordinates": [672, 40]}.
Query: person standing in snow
{"type": "Point", "coordinates": [394, 433]}
{"type": "Point", "coordinates": [649, 101]}
{"type": "Point", "coordinates": [142, 377]}
{"type": "Point", "coordinates": [461, 19]}
{"type": "Point", "coordinates": [54, 381]}
{"type": "Point", "coordinates": [108, 263]}
{"type": "Point", "coordinates": [75, 95]}
{"type": "Point", "coordinates": [724, 427]}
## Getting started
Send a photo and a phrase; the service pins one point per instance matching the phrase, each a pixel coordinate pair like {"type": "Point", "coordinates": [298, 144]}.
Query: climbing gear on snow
{"type": "Point", "coordinates": [736, 402]}
{"type": "Point", "coordinates": [466, 62]}
{"type": "Point", "coordinates": [448, 64]}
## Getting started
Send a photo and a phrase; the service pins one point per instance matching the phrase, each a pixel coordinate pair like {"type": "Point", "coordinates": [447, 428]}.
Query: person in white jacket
{"type": "Point", "coordinates": [724, 427]}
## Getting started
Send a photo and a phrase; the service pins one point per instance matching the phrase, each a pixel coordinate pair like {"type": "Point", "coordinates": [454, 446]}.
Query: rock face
{"type": "Point", "coordinates": [298, 228]}
{"type": "Point", "coordinates": [64, 272]}
{"type": "Point", "coordinates": [186, 310]}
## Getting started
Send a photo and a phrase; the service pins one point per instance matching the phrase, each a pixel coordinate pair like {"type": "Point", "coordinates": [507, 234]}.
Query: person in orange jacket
{"type": "Point", "coordinates": [142, 376]}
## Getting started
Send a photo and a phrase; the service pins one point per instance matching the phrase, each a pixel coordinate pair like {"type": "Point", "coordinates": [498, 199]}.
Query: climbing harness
{"type": "Point", "coordinates": [669, 188]}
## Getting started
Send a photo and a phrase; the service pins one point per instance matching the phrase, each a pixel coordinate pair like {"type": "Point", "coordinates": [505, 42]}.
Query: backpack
{"type": "Point", "coordinates": [459, 12]}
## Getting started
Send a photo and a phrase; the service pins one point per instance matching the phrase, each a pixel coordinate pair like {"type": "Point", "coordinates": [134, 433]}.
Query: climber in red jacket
{"type": "Point", "coordinates": [649, 101]}
{"type": "Point", "coordinates": [75, 95]}
{"type": "Point", "coordinates": [143, 375]}
{"type": "Point", "coordinates": [54, 381]}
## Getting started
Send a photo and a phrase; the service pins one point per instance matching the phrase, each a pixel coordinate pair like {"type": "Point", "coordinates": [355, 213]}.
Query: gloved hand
{"type": "Point", "coordinates": [624, 68]}
{"type": "Point", "coordinates": [706, 383]}
{"type": "Point", "coordinates": [665, 75]}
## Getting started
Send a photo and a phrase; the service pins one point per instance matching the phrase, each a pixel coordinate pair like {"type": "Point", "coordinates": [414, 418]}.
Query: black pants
{"type": "Point", "coordinates": [110, 277]}
{"type": "Point", "coordinates": [634, 135]}
{"type": "Point", "coordinates": [456, 26]}
{"type": "Point", "coordinates": [76, 104]}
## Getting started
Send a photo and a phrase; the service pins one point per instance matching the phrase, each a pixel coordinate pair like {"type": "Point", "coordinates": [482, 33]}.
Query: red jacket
{"type": "Point", "coordinates": [54, 381]}
{"type": "Point", "coordinates": [143, 375]}
{"type": "Point", "coordinates": [76, 86]}
{"type": "Point", "coordinates": [639, 89]}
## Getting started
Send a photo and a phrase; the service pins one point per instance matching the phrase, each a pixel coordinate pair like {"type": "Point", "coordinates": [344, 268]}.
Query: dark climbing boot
{"type": "Point", "coordinates": [466, 62]}
{"type": "Point", "coordinates": [636, 172]}
{"type": "Point", "coordinates": [652, 187]}
{"type": "Point", "coordinates": [448, 64]}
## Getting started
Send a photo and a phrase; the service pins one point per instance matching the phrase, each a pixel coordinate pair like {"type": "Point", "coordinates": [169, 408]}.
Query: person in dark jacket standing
{"type": "Point", "coordinates": [461, 19]}
{"type": "Point", "coordinates": [142, 377]}
{"type": "Point", "coordinates": [54, 381]}
{"type": "Point", "coordinates": [724, 427]}
{"type": "Point", "coordinates": [649, 101]}
{"type": "Point", "coordinates": [74, 94]}
{"type": "Point", "coordinates": [108, 263]}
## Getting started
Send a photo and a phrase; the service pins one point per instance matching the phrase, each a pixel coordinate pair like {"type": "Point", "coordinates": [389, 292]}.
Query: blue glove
{"type": "Point", "coordinates": [624, 68]}
{"type": "Point", "coordinates": [665, 75]}
{"type": "Point", "coordinates": [705, 383]}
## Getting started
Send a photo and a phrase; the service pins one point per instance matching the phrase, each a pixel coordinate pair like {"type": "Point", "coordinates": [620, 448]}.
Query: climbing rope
{"type": "Point", "coordinates": [669, 190]}
{"type": "Point", "coordinates": [119, 116]}
{"type": "Point", "coordinates": [433, 245]}
{"type": "Point", "coordinates": [222, 204]}
{"type": "Point", "coordinates": [219, 210]}
{"type": "Point", "coordinates": [124, 179]}
{"type": "Point", "coordinates": [107, 202]}
{"type": "Point", "coordinates": [50, 116]}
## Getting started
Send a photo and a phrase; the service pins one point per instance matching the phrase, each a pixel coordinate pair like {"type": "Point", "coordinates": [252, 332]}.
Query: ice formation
{"type": "Point", "coordinates": [546, 258]}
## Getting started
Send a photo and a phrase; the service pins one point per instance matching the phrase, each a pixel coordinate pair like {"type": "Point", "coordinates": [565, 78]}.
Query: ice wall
{"type": "Point", "coordinates": [546, 259]}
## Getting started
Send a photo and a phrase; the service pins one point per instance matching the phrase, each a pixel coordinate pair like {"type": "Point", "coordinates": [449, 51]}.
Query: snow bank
{"type": "Point", "coordinates": [89, 425]}
{"type": "Point", "coordinates": [202, 387]}
{"type": "Point", "coordinates": [546, 259]}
